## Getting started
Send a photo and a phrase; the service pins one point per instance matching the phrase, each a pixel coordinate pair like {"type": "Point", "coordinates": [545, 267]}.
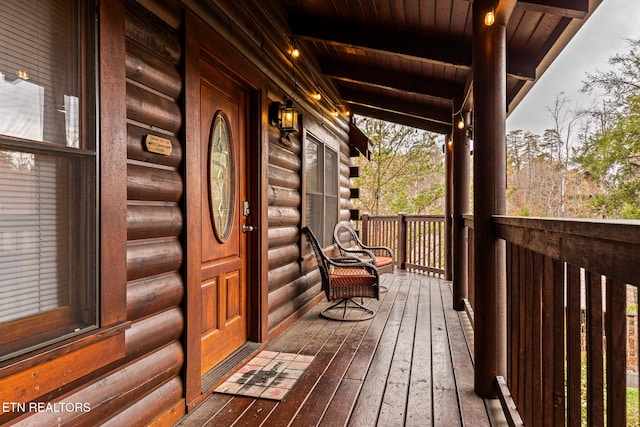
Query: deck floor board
{"type": "Point", "coordinates": [410, 365]}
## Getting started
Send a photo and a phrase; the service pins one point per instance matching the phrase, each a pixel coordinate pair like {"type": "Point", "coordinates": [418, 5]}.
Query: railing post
{"type": "Point", "coordinates": [402, 241]}
{"type": "Point", "coordinates": [365, 229]}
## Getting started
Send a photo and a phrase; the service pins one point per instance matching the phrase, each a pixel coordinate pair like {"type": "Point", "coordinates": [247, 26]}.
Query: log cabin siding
{"type": "Point", "coordinates": [146, 384]}
{"type": "Point", "coordinates": [155, 187]}
{"type": "Point", "coordinates": [292, 282]}
{"type": "Point", "coordinates": [345, 183]}
{"type": "Point", "coordinates": [284, 198]}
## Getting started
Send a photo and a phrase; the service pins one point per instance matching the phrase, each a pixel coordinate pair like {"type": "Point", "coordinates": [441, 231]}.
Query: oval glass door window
{"type": "Point", "coordinates": [221, 177]}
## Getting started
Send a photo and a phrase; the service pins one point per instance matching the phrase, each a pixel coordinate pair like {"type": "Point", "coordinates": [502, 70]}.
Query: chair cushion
{"type": "Point", "coordinates": [381, 261]}
{"type": "Point", "coordinates": [351, 283]}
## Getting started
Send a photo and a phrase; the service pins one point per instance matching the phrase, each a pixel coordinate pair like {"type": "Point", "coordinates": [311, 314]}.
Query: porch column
{"type": "Point", "coordinates": [489, 178]}
{"type": "Point", "coordinates": [448, 209]}
{"type": "Point", "coordinates": [460, 207]}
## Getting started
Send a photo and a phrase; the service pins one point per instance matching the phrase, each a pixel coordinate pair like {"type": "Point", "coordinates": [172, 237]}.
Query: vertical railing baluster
{"type": "Point", "coordinates": [595, 373]}
{"type": "Point", "coordinates": [616, 333]}
{"type": "Point", "coordinates": [552, 342]}
{"type": "Point", "coordinates": [471, 278]}
{"type": "Point", "coordinates": [527, 361]}
{"type": "Point", "coordinates": [536, 332]}
{"type": "Point", "coordinates": [574, 412]}
{"type": "Point", "coordinates": [512, 321]}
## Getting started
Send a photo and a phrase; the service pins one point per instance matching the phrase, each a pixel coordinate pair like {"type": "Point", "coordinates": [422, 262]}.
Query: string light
{"type": "Point", "coordinates": [490, 18]}
{"type": "Point", "coordinates": [295, 52]}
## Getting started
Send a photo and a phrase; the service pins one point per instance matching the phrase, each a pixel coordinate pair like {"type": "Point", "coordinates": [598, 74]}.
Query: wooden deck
{"type": "Point", "coordinates": [408, 366]}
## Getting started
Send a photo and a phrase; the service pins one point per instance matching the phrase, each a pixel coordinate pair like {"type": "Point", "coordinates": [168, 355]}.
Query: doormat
{"type": "Point", "coordinates": [269, 375]}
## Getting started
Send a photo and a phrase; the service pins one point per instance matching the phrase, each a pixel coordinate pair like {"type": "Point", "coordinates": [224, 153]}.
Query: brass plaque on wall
{"type": "Point", "coordinates": [158, 145]}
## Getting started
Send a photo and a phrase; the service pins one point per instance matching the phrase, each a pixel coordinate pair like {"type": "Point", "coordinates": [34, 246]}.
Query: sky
{"type": "Point", "coordinates": [600, 37]}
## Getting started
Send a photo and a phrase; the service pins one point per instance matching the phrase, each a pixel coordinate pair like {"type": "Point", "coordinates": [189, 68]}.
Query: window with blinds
{"type": "Point", "coordinates": [321, 189]}
{"type": "Point", "coordinates": [47, 173]}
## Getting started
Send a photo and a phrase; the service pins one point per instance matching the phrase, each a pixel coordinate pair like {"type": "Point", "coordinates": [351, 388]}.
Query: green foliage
{"type": "Point", "coordinates": [611, 154]}
{"type": "Point", "coordinates": [405, 173]}
{"type": "Point", "coordinates": [525, 211]}
{"type": "Point", "coordinates": [610, 157]}
{"type": "Point", "coordinates": [588, 164]}
{"type": "Point", "coordinates": [633, 414]}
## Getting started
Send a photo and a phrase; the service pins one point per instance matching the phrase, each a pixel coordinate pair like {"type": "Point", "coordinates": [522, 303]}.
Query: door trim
{"type": "Point", "coordinates": [202, 43]}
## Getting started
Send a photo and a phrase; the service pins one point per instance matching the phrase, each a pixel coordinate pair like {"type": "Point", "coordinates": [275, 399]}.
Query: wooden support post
{"type": "Point", "coordinates": [401, 256]}
{"type": "Point", "coordinates": [489, 93]}
{"type": "Point", "coordinates": [460, 151]}
{"type": "Point", "coordinates": [448, 211]}
{"type": "Point", "coordinates": [365, 229]}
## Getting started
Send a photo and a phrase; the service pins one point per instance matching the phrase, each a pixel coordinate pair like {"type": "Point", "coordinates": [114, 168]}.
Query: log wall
{"type": "Point", "coordinates": [142, 382]}
{"type": "Point", "coordinates": [292, 282]}
{"type": "Point", "coordinates": [145, 386]}
{"type": "Point", "coordinates": [154, 217]}
{"type": "Point", "coordinates": [284, 202]}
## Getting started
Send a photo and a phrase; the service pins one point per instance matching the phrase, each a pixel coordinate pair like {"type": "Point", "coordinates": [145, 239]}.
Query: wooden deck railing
{"type": "Point", "coordinates": [570, 285]}
{"type": "Point", "coordinates": [417, 241]}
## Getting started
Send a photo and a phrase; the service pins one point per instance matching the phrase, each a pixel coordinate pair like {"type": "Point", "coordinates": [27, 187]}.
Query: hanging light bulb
{"type": "Point", "coordinates": [490, 18]}
{"type": "Point", "coordinates": [461, 123]}
{"type": "Point", "coordinates": [295, 52]}
{"type": "Point", "coordinates": [317, 96]}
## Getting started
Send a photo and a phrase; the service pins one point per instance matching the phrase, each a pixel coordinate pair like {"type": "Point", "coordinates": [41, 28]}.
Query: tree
{"type": "Point", "coordinates": [405, 174]}
{"type": "Point", "coordinates": [541, 180]}
{"type": "Point", "coordinates": [611, 154]}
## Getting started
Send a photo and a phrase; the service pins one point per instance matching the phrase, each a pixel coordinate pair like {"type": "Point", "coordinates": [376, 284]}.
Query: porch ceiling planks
{"type": "Point", "coordinates": [409, 365]}
{"type": "Point", "coordinates": [423, 47]}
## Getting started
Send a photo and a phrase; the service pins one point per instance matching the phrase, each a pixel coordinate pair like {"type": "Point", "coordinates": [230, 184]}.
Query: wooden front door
{"type": "Point", "coordinates": [223, 213]}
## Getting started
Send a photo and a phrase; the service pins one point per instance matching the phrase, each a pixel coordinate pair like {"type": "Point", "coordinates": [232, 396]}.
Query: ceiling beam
{"type": "Point", "coordinates": [393, 80]}
{"type": "Point", "coordinates": [428, 49]}
{"type": "Point", "coordinates": [391, 104]}
{"type": "Point", "coordinates": [401, 119]}
{"type": "Point", "coordinates": [337, 32]}
{"type": "Point", "coordinates": [574, 9]}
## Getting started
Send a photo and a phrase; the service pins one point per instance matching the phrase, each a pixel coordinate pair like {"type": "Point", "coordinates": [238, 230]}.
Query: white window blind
{"type": "Point", "coordinates": [33, 235]}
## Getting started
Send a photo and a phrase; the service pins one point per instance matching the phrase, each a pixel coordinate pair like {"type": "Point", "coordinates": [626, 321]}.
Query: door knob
{"type": "Point", "coordinates": [247, 228]}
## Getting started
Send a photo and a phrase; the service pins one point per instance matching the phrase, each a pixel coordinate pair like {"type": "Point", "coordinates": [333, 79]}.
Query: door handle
{"type": "Point", "coordinates": [247, 228]}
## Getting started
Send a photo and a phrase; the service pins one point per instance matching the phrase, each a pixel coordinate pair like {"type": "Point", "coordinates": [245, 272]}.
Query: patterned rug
{"type": "Point", "coordinates": [269, 375]}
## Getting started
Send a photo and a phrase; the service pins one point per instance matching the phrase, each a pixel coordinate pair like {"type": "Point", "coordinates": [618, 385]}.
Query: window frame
{"type": "Point", "coordinates": [80, 315]}
{"type": "Point", "coordinates": [323, 145]}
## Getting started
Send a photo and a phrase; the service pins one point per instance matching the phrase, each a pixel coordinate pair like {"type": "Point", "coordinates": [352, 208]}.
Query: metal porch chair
{"type": "Point", "coordinates": [350, 245]}
{"type": "Point", "coordinates": [343, 279]}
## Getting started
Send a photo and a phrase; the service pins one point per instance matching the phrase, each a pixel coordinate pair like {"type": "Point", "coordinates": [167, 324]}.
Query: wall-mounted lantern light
{"type": "Point", "coordinates": [284, 117]}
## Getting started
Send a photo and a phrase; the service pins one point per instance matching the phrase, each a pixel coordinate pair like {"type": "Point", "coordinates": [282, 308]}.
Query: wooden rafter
{"type": "Point", "coordinates": [428, 49]}
{"type": "Point", "coordinates": [403, 119]}
{"type": "Point", "coordinates": [382, 78]}
{"type": "Point", "coordinates": [575, 9]}
{"type": "Point", "coordinates": [442, 115]}
{"type": "Point", "coordinates": [431, 49]}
